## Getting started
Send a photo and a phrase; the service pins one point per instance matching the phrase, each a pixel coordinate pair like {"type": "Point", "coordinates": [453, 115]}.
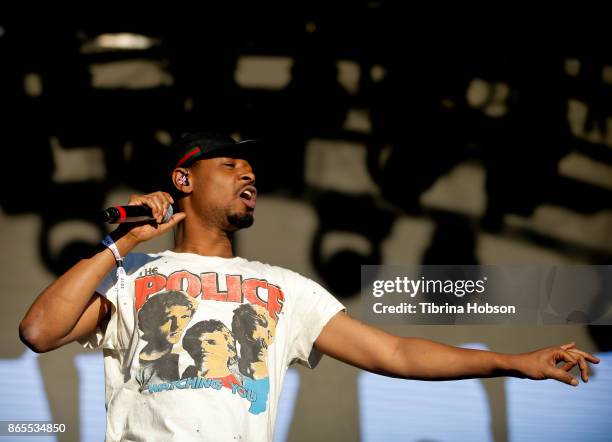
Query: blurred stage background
{"type": "Point", "coordinates": [384, 147]}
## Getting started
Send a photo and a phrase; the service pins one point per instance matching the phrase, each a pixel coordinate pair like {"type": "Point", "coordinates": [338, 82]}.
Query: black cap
{"type": "Point", "coordinates": [196, 146]}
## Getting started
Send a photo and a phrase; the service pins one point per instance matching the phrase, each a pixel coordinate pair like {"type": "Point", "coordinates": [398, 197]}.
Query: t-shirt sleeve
{"type": "Point", "coordinates": [100, 338]}
{"type": "Point", "coordinates": [314, 307]}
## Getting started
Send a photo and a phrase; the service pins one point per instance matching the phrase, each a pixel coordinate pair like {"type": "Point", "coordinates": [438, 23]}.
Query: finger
{"type": "Point", "coordinates": [163, 215]}
{"type": "Point", "coordinates": [157, 207]}
{"type": "Point", "coordinates": [567, 366]}
{"type": "Point", "coordinates": [176, 218]}
{"type": "Point", "coordinates": [145, 200]}
{"type": "Point", "coordinates": [584, 369]}
{"type": "Point", "coordinates": [589, 357]}
{"type": "Point", "coordinates": [167, 206]}
{"type": "Point", "coordinates": [562, 355]}
{"type": "Point", "coordinates": [160, 208]}
{"type": "Point", "coordinates": [165, 200]}
{"type": "Point", "coordinates": [136, 200]}
{"type": "Point", "coordinates": [568, 346]}
{"type": "Point", "coordinates": [167, 197]}
{"type": "Point", "coordinates": [562, 376]}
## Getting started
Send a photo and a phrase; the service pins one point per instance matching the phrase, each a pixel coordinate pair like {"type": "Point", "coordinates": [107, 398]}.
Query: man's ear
{"type": "Point", "coordinates": [181, 180]}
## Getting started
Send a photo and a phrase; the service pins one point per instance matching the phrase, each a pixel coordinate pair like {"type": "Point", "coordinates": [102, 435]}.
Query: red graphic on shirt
{"type": "Point", "coordinates": [206, 286]}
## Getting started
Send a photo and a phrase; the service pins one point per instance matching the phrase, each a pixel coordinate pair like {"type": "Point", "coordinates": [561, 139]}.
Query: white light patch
{"type": "Point", "coordinates": [92, 415]}
{"type": "Point", "coordinates": [130, 74]}
{"type": "Point", "coordinates": [577, 113]}
{"type": "Point", "coordinates": [32, 84]}
{"type": "Point", "coordinates": [477, 92]}
{"type": "Point", "coordinates": [338, 240]}
{"type": "Point", "coordinates": [65, 232]}
{"type": "Point", "coordinates": [119, 41]}
{"type": "Point", "coordinates": [490, 97]}
{"type": "Point", "coordinates": [286, 405]}
{"type": "Point", "coordinates": [460, 190]}
{"type": "Point", "coordinates": [587, 230]}
{"type": "Point", "coordinates": [77, 164]}
{"type": "Point", "coordinates": [498, 106]}
{"type": "Point", "coordinates": [348, 75]}
{"type": "Point", "coordinates": [580, 167]}
{"type": "Point", "coordinates": [339, 166]}
{"type": "Point", "coordinates": [407, 241]}
{"type": "Point", "coordinates": [495, 249]}
{"type": "Point", "coordinates": [23, 395]}
{"type": "Point", "coordinates": [263, 72]}
{"type": "Point", "coordinates": [358, 120]}
{"type": "Point", "coordinates": [163, 137]}
{"type": "Point", "coordinates": [378, 73]}
{"type": "Point", "coordinates": [389, 412]}
{"type": "Point", "coordinates": [533, 411]}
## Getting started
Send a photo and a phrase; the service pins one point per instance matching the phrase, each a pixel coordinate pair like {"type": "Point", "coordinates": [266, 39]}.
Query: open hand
{"type": "Point", "coordinates": [542, 364]}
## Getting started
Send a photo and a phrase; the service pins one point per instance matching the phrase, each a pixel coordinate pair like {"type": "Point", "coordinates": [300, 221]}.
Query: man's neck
{"type": "Point", "coordinates": [203, 240]}
{"type": "Point", "coordinates": [215, 368]}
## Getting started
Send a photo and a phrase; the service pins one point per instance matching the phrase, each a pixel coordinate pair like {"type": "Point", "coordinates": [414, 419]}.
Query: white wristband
{"type": "Point", "coordinates": [108, 242]}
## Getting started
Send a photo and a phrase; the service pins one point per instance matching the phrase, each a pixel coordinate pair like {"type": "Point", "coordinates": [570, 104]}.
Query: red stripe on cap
{"type": "Point", "coordinates": [195, 151]}
{"type": "Point", "coordinates": [122, 214]}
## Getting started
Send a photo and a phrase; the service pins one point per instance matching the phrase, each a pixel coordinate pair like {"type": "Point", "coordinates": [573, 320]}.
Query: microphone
{"type": "Point", "coordinates": [132, 214]}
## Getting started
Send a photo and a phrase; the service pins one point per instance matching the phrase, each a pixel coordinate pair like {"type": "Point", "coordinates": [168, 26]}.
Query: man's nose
{"type": "Point", "coordinates": [248, 177]}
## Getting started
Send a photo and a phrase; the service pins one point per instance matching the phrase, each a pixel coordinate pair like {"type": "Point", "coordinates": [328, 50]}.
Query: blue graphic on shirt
{"type": "Point", "coordinates": [254, 330]}
{"type": "Point", "coordinates": [261, 387]}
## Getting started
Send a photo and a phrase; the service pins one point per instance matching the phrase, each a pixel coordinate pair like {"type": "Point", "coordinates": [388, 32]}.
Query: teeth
{"type": "Point", "coordinates": [247, 193]}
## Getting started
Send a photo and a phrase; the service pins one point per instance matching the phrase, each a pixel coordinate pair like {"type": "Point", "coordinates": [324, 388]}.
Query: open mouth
{"type": "Point", "coordinates": [248, 195]}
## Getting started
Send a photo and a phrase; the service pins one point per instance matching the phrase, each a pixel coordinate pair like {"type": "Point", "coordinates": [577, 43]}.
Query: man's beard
{"type": "Point", "coordinates": [241, 221]}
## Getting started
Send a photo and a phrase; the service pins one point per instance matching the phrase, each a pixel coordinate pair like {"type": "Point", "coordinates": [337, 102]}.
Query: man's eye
{"type": "Point", "coordinates": [230, 165]}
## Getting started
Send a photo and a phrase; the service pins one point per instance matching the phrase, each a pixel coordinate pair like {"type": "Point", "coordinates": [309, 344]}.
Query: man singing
{"type": "Point", "coordinates": [288, 318]}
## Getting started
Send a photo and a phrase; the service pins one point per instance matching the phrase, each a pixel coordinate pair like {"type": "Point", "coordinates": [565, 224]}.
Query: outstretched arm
{"type": "Point", "coordinates": [372, 349]}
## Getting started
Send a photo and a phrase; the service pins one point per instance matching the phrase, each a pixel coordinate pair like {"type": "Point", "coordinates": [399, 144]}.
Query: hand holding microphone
{"type": "Point", "coordinates": [154, 207]}
{"type": "Point", "coordinates": [144, 218]}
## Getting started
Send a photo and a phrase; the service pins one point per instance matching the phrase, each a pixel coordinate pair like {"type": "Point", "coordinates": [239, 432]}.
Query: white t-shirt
{"type": "Point", "coordinates": [197, 346]}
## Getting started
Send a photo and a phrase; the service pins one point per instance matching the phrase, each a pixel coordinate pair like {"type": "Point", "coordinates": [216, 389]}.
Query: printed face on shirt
{"type": "Point", "coordinates": [223, 192]}
{"type": "Point", "coordinates": [265, 327]}
{"type": "Point", "coordinates": [177, 318]}
{"type": "Point", "coordinates": [217, 346]}
{"type": "Point", "coordinates": [254, 330]}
